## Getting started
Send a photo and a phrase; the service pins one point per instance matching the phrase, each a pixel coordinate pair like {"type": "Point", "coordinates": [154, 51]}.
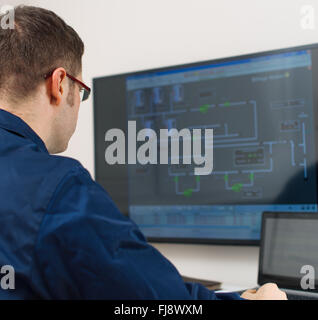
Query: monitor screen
{"type": "Point", "coordinates": [289, 248]}
{"type": "Point", "coordinates": [262, 110]}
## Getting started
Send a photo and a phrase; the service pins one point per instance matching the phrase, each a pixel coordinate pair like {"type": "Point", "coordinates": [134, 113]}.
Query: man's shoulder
{"type": "Point", "coordinates": [68, 167]}
{"type": "Point", "coordinates": [42, 169]}
{"type": "Point", "coordinates": [47, 164]}
{"type": "Point", "coordinates": [63, 167]}
{"type": "Point", "coordinates": [64, 162]}
{"type": "Point", "coordinates": [29, 160]}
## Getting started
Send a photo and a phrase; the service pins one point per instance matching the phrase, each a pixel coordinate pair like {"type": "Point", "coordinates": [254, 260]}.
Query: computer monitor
{"type": "Point", "coordinates": [263, 109]}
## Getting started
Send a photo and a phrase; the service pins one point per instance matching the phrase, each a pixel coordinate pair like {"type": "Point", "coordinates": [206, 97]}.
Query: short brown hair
{"type": "Point", "coordinates": [40, 42]}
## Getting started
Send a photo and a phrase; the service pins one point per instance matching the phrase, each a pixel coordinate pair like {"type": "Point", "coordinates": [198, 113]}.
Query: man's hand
{"type": "Point", "coordinates": [269, 291]}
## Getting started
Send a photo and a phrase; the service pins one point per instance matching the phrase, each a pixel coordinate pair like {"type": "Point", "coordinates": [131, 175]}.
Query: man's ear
{"type": "Point", "coordinates": [56, 86]}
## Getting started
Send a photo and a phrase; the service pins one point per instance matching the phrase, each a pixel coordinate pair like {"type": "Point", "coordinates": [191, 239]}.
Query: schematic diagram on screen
{"type": "Point", "coordinates": [257, 137]}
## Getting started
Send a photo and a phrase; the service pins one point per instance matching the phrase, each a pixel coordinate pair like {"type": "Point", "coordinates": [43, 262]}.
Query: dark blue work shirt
{"type": "Point", "coordinates": [65, 237]}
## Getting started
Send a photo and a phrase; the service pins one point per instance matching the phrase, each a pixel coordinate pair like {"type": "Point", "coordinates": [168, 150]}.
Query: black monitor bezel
{"type": "Point", "coordinates": [210, 241]}
{"type": "Point", "coordinates": [282, 282]}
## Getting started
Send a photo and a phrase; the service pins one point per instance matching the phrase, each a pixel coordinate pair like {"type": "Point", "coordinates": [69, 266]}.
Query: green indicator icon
{"type": "Point", "coordinates": [197, 179]}
{"type": "Point", "coordinates": [188, 193]}
{"type": "Point", "coordinates": [252, 176]}
{"type": "Point", "coordinates": [226, 177]}
{"type": "Point", "coordinates": [205, 108]}
{"type": "Point", "coordinates": [237, 187]}
{"type": "Point", "coordinates": [227, 104]}
{"type": "Point", "coordinates": [176, 179]}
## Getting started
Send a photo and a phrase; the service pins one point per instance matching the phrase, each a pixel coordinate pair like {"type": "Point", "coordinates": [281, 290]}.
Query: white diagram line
{"type": "Point", "coordinates": [304, 164]}
{"type": "Point", "coordinates": [303, 144]}
{"type": "Point", "coordinates": [292, 144]}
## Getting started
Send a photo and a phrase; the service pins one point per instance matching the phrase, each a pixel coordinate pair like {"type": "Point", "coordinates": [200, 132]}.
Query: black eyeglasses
{"type": "Point", "coordinates": [85, 90]}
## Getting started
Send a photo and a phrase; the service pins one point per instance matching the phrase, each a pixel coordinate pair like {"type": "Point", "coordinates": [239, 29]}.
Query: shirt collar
{"type": "Point", "coordinates": [9, 121]}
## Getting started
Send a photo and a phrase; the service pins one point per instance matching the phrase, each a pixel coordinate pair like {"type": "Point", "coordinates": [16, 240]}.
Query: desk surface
{"type": "Point", "coordinates": [235, 266]}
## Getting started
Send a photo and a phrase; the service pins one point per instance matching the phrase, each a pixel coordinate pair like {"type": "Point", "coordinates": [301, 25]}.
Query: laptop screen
{"type": "Point", "coordinates": [288, 249]}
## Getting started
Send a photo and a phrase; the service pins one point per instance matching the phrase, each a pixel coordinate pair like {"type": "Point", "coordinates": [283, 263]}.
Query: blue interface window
{"type": "Point", "coordinates": [261, 110]}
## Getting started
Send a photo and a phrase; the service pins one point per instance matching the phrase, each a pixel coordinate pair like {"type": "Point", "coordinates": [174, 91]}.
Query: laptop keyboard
{"type": "Point", "coordinates": [300, 297]}
{"type": "Point", "coordinates": [291, 296]}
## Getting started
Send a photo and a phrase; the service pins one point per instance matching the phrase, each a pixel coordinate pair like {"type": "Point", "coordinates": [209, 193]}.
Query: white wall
{"type": "Point", "coordinates": [129, 35]}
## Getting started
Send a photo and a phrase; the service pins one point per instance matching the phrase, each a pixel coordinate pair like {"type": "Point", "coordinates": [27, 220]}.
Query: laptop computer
{"type": "Point", "coordinates": [289, 253]}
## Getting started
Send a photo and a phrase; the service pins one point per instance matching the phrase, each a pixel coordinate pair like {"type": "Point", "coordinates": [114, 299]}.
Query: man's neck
{"type": "Point", "coordinates": [29, 115]}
